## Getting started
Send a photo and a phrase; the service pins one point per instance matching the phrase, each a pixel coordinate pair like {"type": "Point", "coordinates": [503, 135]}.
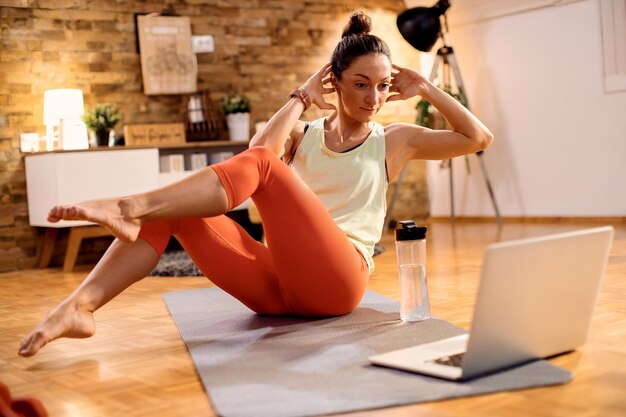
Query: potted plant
{"type": "Point", "coordinates": [427, 115]}
{"type": "Point", "coordinates": [101, 120]}
{"type": "Point", "coordinates": [237, 110]}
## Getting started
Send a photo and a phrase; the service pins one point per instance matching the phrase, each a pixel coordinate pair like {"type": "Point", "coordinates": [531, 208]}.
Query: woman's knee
{"type": "Point", "coordinates": [263, 153]}
{"type": "Point", "coordinates": [158, 233]}
{"type": "Point", "coordinates": [267, 160]}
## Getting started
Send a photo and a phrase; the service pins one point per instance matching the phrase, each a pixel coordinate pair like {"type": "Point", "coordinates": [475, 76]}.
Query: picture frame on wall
{"type": "Point", "coordinates": [168, 64]}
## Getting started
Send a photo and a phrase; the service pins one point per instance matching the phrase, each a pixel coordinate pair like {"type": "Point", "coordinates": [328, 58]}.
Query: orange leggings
{"type": "Point", "coordinates": [309, 267]}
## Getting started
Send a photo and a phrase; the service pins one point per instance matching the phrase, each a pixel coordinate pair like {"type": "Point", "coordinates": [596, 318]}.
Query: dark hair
{"type": "Point", "coordinates": [355, 42]}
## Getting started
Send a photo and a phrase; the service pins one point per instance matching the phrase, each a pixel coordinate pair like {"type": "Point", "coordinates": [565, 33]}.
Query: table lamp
{"type": "Point", "coordinates": [63, 109]}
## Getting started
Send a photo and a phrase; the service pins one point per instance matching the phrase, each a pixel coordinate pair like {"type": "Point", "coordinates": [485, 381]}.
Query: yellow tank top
{"type": "Point", "coordinates": [352, 185]}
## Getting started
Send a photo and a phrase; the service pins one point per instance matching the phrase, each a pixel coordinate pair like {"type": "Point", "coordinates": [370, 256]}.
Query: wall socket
{"type": "Point", "coordinates": [202, 43]}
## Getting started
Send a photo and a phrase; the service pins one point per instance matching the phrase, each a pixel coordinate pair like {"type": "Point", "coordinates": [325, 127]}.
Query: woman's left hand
{"type": "Point", "coordinates": [406, 83]}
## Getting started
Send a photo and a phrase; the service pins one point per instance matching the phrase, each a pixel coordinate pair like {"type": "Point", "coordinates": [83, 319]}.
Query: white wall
{"type": "Point", "coordinates": [536, 79]}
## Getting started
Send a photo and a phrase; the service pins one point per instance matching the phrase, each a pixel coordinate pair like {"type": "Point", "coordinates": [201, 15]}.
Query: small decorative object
{"type": "Point", "coordinates": [29, 142]}
{"type": "Point", "coordinates": [237, 110]}
{"type": "Point", "coordinates": [172, 163]}
{"type": "Point", "coordinates": [101, 120]}
{"type": "Point", "coordinates": [218, 157]}
{"type": "Point", "coordinates": [154, 134]}
{"type": "Point", "coordinates": [203, 120]}
{"type": "Point", "coordinates": [198, 161]}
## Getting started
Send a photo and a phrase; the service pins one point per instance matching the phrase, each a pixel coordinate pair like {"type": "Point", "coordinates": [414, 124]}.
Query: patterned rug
{"type": "Point", "coordinates": [176, 263]}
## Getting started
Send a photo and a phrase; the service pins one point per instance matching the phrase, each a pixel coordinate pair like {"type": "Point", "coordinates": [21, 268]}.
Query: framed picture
{"type": "Point", "coordinates": [156, 134]}
{"type": "Point", "coordinates": [168, 64]}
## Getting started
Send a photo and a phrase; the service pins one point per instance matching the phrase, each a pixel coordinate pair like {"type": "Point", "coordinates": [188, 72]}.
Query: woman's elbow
{"type": "Point", "coordinates": [484, 141]}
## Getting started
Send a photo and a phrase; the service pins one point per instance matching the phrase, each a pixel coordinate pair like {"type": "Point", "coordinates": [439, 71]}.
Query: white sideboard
{"type": "Point", "coordinates": [56, 178]}
{"type": "Point", "coordinates": [72, 177]}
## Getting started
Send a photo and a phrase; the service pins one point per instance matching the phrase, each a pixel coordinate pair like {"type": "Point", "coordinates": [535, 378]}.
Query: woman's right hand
{"type": "Point", "coordinates": [314, 86]}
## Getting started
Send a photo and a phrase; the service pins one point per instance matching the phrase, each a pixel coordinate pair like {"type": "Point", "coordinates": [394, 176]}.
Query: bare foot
{"type": "Point", "coordinates": [114, 214]}
{"type": "Point", "coordinates": [66, 320]}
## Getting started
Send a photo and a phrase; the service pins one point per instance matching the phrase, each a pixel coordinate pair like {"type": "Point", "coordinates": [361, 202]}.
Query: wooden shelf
{"type": "Point", "coordinates": [186, 145]}
{"type": "Point", "coordinates": [204, 144]}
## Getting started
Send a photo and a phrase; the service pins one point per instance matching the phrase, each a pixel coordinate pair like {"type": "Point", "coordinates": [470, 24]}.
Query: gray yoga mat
{"type": "Point", "coordinates": [255, 365]}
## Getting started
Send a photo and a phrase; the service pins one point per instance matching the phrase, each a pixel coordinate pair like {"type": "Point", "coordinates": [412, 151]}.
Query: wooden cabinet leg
{"type": "Point", "coordinates": [73, 245]}
{"type": "Point", "coordinates": [48, 246]}
{"type": "Point", "coordinates": [77, 234]}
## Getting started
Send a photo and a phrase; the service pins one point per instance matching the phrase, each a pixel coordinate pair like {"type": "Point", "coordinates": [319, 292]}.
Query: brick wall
{"type": "Point", "coordinates": [262, 48]}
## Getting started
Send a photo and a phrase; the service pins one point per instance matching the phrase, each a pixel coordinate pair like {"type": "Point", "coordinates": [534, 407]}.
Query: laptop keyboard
{"type": "Point", "coordinates": [453, 360]}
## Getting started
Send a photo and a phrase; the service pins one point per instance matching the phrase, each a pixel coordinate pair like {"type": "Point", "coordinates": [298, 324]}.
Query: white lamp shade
{"type": "Point", "coordinates": [63, 103]}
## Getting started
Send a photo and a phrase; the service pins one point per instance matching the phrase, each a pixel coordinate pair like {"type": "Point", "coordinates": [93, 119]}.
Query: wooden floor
{"type": "Point", "coordinates": [137, 364]}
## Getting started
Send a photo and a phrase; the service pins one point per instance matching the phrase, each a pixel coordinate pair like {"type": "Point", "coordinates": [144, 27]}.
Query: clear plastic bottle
{"type": "Point", "coordinates": [411, 253]}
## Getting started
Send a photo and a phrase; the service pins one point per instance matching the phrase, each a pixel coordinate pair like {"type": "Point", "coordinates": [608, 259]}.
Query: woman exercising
{"type": "Point", "coordinates": [319, 188]}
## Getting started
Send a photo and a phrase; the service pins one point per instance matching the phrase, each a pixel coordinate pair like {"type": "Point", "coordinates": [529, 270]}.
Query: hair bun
{"type": "Point", "coordinates": [359, 23]}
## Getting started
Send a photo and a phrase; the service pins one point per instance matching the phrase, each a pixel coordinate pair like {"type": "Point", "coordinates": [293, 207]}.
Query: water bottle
{"type": "Point", "coordinates": [411, 252]}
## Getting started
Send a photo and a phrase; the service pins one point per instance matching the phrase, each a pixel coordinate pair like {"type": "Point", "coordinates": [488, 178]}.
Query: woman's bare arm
{"type": "Point", "coordinates": [285, 128]}
{"type": "Point", "coordinates": [467, 134]}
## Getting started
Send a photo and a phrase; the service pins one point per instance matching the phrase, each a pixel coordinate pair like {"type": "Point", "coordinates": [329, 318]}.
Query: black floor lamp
{"type": "Point", "coordinates": [421, 27]}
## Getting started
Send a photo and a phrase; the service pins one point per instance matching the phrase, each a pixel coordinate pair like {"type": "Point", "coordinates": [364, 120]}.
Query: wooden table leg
{"type": "Point", "coordinates": [48, 246]}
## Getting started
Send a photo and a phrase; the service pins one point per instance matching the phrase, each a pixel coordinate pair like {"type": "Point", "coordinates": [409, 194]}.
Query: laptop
{"type": "Point", "coordinates": [535, 299]}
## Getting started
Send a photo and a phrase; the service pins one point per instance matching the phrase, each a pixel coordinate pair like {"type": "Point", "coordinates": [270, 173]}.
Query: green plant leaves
{"type": "Point", "coordinates": [102, 117]}
{"type": "Point", "coordinates": [235, 103]}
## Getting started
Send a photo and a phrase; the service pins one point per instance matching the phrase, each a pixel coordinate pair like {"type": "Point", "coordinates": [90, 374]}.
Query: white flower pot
{"type": "Point", "coordinates": [239, 126]}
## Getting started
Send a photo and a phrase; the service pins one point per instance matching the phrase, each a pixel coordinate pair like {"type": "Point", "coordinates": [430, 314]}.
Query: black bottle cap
{"type": "Point", "coordinates": [410, 231]}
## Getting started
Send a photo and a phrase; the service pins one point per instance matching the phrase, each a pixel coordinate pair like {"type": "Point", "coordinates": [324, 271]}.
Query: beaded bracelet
{"type": "Point", "coordinates": [303, 96]}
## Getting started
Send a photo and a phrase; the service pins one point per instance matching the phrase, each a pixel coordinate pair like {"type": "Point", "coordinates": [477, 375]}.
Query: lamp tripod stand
{"type": "Point", "coordinates": [446, 60]}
